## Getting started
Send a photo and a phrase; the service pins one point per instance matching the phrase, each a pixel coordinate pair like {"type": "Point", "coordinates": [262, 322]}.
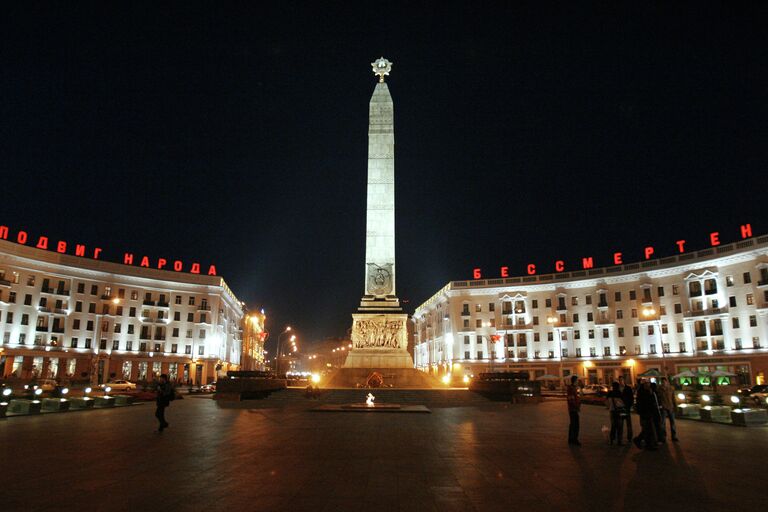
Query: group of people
{"type": "Point", "coordinates": [655, 404]}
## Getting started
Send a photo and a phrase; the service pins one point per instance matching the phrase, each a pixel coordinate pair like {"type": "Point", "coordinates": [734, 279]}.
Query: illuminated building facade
{"type": "Point", "coordinates": [79, 319]}
{"type": "Point", "coordinates": [702, 310]}
{"type": "Point", "coordinates": [254, 336]}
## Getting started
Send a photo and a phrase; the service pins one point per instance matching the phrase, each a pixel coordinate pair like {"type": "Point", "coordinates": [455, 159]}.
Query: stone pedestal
{"type": "Point", "coordinates": [720, 413]}
{"type": "Point", "coordinates": [379, 340]}
{"type": "Point", "coordinates": [55, 404]}
{"type": "Point", "coordinates": [749, 417]}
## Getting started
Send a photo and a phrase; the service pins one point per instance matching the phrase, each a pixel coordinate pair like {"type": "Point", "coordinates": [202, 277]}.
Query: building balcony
{"type": "Point", "coordinates": [41, 328]}
{"type": "Point", "coordinates": [605, 321]}
{"type": "Point", "coordinates": [64, 293]}
{"type": "Point", "coordinates": [203, 308]}
{"type": "Point", "coordinates": [762, 283]}
{"type": "Point", "coordinates": [516, 327]}
{"type": "Point", "coordinates": [5, 282]}
{"type": "Point", "coordinates": [59, 330]}
{"type": "Point", "coordinates": [46, 290]}
{"type": "Point", "coordinates": [163, 304]}
{"type": "Point", "coordinates": [707, 312]}
{"type": "Point", "coordinates": [43, 309]}
{"type": "Point", "coordinates": [149, 303]}
{"type": "Point", "coordinates": [108, 297]}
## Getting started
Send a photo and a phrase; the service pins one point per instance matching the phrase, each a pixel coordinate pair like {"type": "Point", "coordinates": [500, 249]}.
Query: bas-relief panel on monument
{"type": "Point", "coordinates": [377, 333]}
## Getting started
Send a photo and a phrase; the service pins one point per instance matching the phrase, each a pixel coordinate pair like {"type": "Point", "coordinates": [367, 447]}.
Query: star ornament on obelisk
{"type": "Point", "coordinates": [381, 68]}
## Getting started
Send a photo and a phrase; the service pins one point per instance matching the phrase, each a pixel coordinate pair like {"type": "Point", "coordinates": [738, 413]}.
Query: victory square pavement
{"type": "Point", "coordinates": [260, 457]}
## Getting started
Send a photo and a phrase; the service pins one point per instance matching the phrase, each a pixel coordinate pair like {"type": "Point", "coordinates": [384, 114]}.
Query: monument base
{"type": "Point", "coordinates": [393, 377]}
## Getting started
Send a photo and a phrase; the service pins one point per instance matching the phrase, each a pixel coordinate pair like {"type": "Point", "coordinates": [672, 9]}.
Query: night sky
{"type": "Point", "coordinates": [237, 135]}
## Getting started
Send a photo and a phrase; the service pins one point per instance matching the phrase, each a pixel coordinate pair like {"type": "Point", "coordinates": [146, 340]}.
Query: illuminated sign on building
{"type": "Point", "coordinates": [617, 257]}
{"type": "Point", "coordinates": [63, 247]}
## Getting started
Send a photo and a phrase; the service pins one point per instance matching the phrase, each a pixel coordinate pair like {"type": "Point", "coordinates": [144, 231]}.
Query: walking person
{"type": "Point", "coordinates": [658, 426]}
{"type": "Point", "coordinates": [616, 410]}
{"type": "Point", "coordinates": [628, 397]}
{"type": "Point", "coordinates": [667, 403]}
{"type": "Point", "coordinates": [574, 405]}
{"type": "Point", "coordinates": [163, 400]}
{"type": "Point", "coordinates": [645, 404]}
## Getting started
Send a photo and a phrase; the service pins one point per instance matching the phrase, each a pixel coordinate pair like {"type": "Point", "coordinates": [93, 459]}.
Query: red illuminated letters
{"type": "Point", "coordinates": [746, 230]}
{"type": "Point", "coordinates": [42, 242]}
{"type": "Point", "coordinates": [617, 258]}
{"type": "Point", "coordinates": [531, 269]}
{"type": "Point", "coordinates": [177, 266]}
{"type": "Point", "coordinates": [714, 238]}
{"type": "Point", "coordinates": [21, 237]}
{"type": "Point", "coordinates": [587, 263]}
{"type": "Point", "coordinates": [61, 247]}
{"type": "Point", "coordinates": [4, 232]}
{"type": "Point", "coordinates": [476, 274]}
{"type": "Point", "coordinates": [681, 245]}
{"type": "Point", "coordinates": [96, 253]}
{"type": "Point", "coordinates": [79, 250]}
{"type": "Point", "coordinates": [127, 259]}
{"type": "Point", "coordinates": [559, 265]}
{"type": "Point", "coordinates": [195, 268]}
{"type": "Point", "coordinates": [648, 252]}
{"type": "Point", "coordinates": [212, 270]}
{"type": "Point", "coordinates": [144, 262]}
{"type": "Point", "coordinates": [504, 271]}
{"type": "Point", "coordinates": [161, 263]}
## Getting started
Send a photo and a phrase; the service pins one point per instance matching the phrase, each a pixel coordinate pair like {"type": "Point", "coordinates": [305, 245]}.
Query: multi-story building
{"type": "Point", "coordinates": [254, 336]}
{"type": "Point", "coordinates": [75, 318]}
{"type": "Point", "coordinates": [701, 311]}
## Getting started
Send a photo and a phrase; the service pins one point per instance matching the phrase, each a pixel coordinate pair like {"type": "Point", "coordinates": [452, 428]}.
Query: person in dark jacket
{"type": "Point", "coordinates": [574, 405]}
{"type": "Point", "coordinates": [645, 405]}
{"type": "Point", "coordinates": [615, 405]}
{"type": "Point", "coordinates": [628, 397]}
{"type": "Point", "coordinates": [163, 400]}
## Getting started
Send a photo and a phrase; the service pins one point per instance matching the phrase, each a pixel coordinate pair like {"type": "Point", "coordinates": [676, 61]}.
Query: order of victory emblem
{"type": "Point", "coordinates": [380, 279]}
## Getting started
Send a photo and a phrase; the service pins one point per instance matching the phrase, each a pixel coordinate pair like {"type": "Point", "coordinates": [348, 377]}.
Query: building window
{"type": "Point", "coordinates": [536, 336]}
{"type": "Point", "coordinates": [200, 350]}
{"type": "Point", "coordinates": [632, 295]}
{"type": "Point", "coordinates": [735, 322]}
{"type": "Point", "coordinates": [535, 304]}
{"type": "Point", "coordinates": [665, 347]}
{"type": "Point", "coordinates": [178, 299]}
{"type": "Point", "coordinates": [588, 300]}
{"type": "Point", "coordinates": [130, 328]}
{"type": "Point", "coordinates": [606, 351]}
{"type": "Point", "coordinates": [80, 287]}
{"type": "Point", "coordinates": [679, 327]}
{"type": "Point", "coordinates": [73, 343]}
{"type": "Point", "coordinates": [577, 334]}
{"type": "Point", "coordinates": [191, 301]}
{"type": "Point", "coordinates": [175, 332]}
{"type": "Point", "coordinates": [621, 332]}
{"type": "Point", "coordinates": [12, 297]}
{"type": "Point", "coordinates": [491, 306]}
{"type": "Point", "coordinates": [118, 327]}
{"type": "Point", "coordinates": [591, 334]}
{"type": "Point", "coordinates": [574, 301]}
{"type": "Point", "coordinates": [664, 328]}
{"type": "Point", "coordinates": [635, 331]}
{"type": "Point", "coordinates": [188, 349]}
{"type": "Point", "coordinates": [747, 277]}
{"type": "Point", "coordinates": [190, 317]}
{"type": "Point", "coordinates": [94, 289]}
{"type": "Point", "coordinates": [134, 295]}
{"type": "Point", "coordinates": [752, 320]}
{"type": "Point", "coordinates": [737, 344]}
{"type": "Point", "coordinates": [466, 340]}
{"type": "Point", "coordinates": [750, 299]}
{"type": "Point", "coordinates": [89, 325]}
{"type": "Point", "coordinates": [466, 323]}
{"type": "Point", "coordinates": [652, 348]}
{"type": "Point", "coordinates": [728, 280]}
{"type": "Point", "coordinates": [564, 352]}
{"type": "Point", "coordinates": [535, 320]}
{"type": "Point", "coordinates": [617, 296]}
{"type": "Point", "coordinates": [590, 317]}
{"type": "Point", "coordinates": [27, 300]}
{"type": "Point", "coordinates": [605, 333]}
{"type": "Point", "coordinates": [547, 303]}
{"type": "Point", "coordinates": [116, 345]}
{"type": "Point", "coordinates": [756, 341]}
{"type": "Point", "coordinates": [174, 348]}
{"type": "Point", "coordinates": [575, 317]}
{"type": "Point", "coordinates": [189, 333]}
{"type": "Point", "coordinates": [202, 334]}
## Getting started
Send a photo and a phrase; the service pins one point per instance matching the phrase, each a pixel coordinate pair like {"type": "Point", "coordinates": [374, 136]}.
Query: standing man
{"type": "Point", "coordinates": [628, 397]}
{"type": "Point", "coordinates": [646, 407]}
{"type": "Point", "coordinates": [163, 400]}
{"type": "Point", "coordinates": [667, 406]}
{"type": "Point", "coordinates": [574, 404]}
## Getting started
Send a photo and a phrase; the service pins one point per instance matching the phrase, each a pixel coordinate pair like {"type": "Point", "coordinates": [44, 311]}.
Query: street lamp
{"type": "Point", "coordinates": [650, 314]}
{"type": "Point", "coordinates": [553, 321]}
{"type": "Point", "coordinates": [277, 355]}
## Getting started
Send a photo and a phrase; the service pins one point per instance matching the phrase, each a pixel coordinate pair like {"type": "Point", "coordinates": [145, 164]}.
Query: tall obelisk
{"type": "Point", "coordinates": [379, 328]}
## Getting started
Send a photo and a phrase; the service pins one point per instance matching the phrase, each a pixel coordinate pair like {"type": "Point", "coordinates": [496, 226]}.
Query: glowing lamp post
{"type": "Point", "coordinates": [650, 314]}
{"type": "Point", "coordinates": [552, 320]}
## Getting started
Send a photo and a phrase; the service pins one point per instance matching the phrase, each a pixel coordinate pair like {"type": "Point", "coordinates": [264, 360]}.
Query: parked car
{"type": "Point", "coordinates": [208, 388]}
{"type": "Point", "coordinates": [46, 385]}
{"type": "Point", "coordinates": [595, 389]}
{"type": "Point", "coordinates": [746, 391]}
{"type": "Point", "coordinates": [119, 385]}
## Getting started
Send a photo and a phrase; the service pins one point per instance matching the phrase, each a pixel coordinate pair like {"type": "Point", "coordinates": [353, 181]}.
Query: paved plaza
{"type": "Point", "coordinates": [494, 457]}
